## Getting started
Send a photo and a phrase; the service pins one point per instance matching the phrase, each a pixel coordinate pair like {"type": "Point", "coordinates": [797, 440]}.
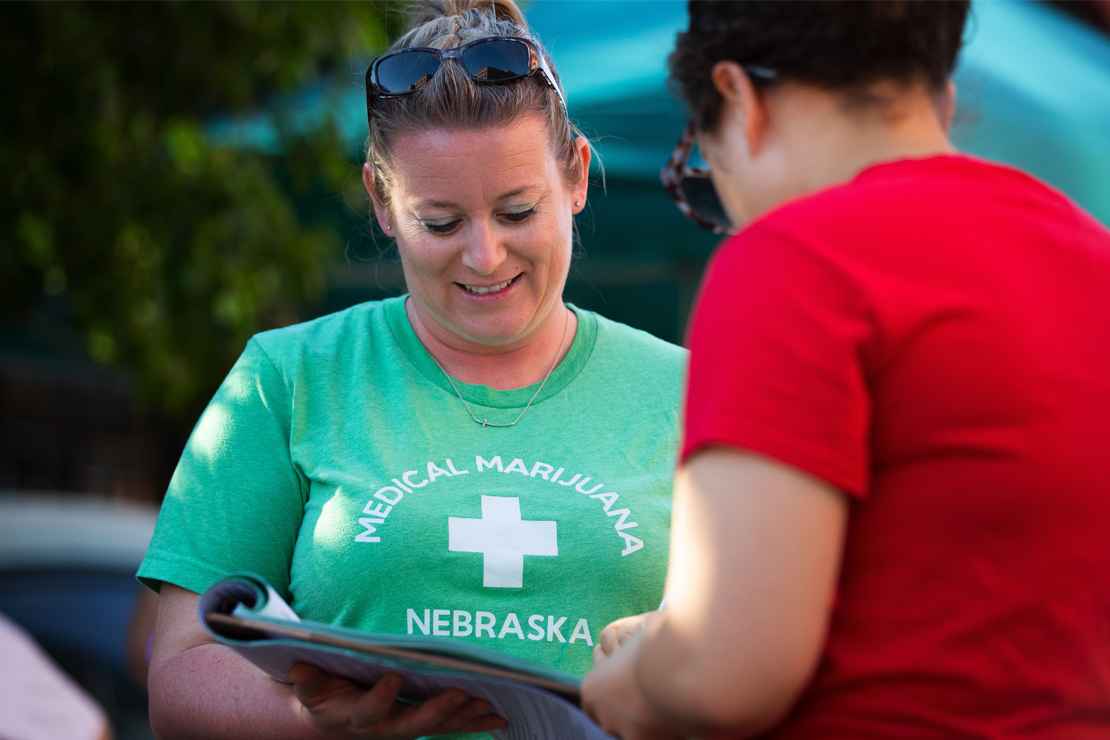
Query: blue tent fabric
{"type": "Point", "coordinates": [1035, 85]}
{"type": "Point", "coordinates": [1034, 90]}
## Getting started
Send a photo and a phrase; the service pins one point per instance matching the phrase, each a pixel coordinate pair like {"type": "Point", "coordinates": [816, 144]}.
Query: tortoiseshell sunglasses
{"type": "Point", "coordinates": [691, 188]}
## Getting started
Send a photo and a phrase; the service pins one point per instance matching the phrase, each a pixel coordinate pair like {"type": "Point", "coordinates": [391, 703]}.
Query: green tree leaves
{"type": "Point", "coordinates": [169, 249]}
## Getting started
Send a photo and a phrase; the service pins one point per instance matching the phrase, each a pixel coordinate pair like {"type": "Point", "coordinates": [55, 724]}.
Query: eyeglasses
{"type": "Point", "coordinates": [691, 187]}
{"type": "Point", "coordinates": [490, 61]}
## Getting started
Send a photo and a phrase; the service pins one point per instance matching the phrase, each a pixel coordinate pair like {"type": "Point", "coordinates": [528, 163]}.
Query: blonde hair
{"type": "Point", "coordinates": [452, 100]}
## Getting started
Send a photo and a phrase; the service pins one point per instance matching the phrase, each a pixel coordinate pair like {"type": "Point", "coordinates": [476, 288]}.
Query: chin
{"type": "Point", "coordinates": [494, 333]}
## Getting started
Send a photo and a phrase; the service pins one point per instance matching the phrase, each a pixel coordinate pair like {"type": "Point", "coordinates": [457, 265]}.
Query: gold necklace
{"type": "Point", "coordinates": [484, 421]}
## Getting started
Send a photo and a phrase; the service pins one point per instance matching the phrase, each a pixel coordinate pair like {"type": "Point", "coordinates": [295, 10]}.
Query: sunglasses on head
{"type": "Point", "coordinates": [691, 187]}
{"type": "Point", "coordinates": [490, 61]}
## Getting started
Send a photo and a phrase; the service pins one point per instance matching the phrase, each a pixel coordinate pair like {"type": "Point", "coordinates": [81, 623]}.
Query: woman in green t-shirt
{"type": "Point", "coordinates": [475, 459]}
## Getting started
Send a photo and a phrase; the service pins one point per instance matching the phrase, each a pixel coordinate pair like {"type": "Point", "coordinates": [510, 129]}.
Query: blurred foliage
{"type": "Point", "coordinates": [170, 250]}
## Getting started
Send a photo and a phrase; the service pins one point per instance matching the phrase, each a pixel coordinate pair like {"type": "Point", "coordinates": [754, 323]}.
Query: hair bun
{"type": "Point", "coordinates": [423, 11]}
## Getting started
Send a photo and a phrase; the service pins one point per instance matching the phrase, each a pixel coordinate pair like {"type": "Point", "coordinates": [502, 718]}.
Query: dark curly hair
{"type": "Point", "coordinates": [837, 44]}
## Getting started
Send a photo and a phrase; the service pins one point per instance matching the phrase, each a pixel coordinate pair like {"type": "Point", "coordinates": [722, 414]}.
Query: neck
{"type": "Point", "coordinates": [501, 367]}
{"type": "Point", "coordinates": [899, 125]}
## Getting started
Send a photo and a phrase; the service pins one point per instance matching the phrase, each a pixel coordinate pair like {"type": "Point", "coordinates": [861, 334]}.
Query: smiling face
{"type": "Point", "coordinates": [483, 222]}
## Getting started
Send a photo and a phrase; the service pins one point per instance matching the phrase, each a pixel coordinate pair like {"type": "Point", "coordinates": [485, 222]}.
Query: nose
{"type": "Point", "coordinates": [484, 251]}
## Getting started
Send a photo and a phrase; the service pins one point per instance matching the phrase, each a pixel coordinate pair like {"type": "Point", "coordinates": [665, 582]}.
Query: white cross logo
{"type": "Point", "coordinates": [503, 538]}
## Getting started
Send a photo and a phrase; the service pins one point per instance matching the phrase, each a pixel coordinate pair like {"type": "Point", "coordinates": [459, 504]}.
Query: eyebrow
{"type": "Point", "coordinates": [504, 196]}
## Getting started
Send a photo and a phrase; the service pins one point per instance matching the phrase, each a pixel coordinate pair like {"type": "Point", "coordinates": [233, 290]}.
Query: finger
{"type": "Point", "coordinates": [476, 716]}
{"type": "Point", "coordinates": [314, 687]}
{"type": "Point", "coordinates": [587, 702]}
{"type": "Point", "coordinates": [425, 718]}
{"type": "Point", "coordinates": [306, 676]}
{"type": "Point", "coordinates": [302, 672]}
{"type": "Point", "coordinates": [608, 641]}
{"type": "Point", "coordinates": [488, 723]}
{"type": "Point", "coordinates": [474, 711]}
{"type": "Point", "coordinates": [377, 704]}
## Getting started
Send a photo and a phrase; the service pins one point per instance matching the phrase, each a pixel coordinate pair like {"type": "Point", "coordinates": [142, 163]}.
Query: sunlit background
{"type": "Point", "coordinates": [178, 176]}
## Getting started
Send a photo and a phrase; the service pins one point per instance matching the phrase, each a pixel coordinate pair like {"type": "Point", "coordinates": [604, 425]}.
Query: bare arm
{"type": "Point", "coordinates": [755, 553]}
{"type": "Point", "coordinates": [200, 689]}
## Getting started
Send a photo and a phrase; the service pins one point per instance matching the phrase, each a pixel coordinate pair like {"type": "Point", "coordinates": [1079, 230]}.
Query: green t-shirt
{"type": "Point", "coordinates": [337, 462]}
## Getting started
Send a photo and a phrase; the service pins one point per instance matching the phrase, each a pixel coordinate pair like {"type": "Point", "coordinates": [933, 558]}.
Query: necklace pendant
{"type": "Point", "coordinates": [484, 421]}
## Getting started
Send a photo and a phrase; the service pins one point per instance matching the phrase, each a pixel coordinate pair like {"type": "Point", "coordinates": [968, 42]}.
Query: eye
{"type": "Point", "coordinates": [517, 217]}
{"type": "Point", "coordinates": [441, 228]}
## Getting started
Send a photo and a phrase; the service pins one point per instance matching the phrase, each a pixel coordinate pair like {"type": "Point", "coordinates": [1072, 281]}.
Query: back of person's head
{"type": "Point", "coordinates": [840, 45]}
{"type": "Point", "coordinates": [452, 100]}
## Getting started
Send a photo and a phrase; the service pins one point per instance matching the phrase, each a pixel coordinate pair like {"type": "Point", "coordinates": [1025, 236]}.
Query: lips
{"type": "Point", "coordinates": [492, 289]}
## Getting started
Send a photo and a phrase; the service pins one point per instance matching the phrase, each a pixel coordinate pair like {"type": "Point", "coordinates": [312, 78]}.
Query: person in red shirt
{"type": "Point", "coordinates": [892, 512]}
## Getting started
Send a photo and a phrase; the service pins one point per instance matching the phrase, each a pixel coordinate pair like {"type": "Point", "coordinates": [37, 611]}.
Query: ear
{"type": "Point", "coordinates": [742, 102]}
{"type": "Point", "coordinates": [580, 189]}
{"type": "Point", "coordinates": [381, 212]}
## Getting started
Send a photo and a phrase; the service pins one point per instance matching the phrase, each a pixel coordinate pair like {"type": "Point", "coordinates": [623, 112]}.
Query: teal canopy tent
{"type": "Point", "coordinates": [1034, 91]}
{"type": "Point", "coordinates": [1034, 87]}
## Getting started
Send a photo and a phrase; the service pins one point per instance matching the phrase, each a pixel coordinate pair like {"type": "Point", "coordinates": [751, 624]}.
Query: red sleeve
{"type": "Point", "coordinates": [775, 359]}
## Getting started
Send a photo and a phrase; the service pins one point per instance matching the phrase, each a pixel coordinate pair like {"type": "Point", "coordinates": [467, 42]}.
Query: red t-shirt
{"type": "Point", "coordinates": [932, 338]}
